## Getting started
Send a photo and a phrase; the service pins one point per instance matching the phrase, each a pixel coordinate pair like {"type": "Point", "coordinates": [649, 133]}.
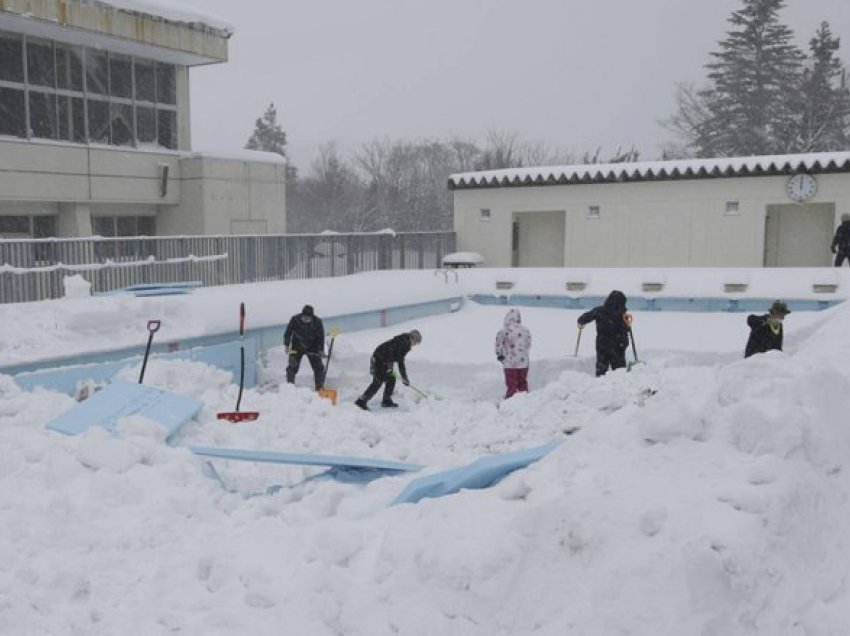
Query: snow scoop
{"type": "Point", "coordinates": [634, 350]}
{"type": "Point", "coordinates": [325, 392]}
{"type": "Point", "coordinates": [422, 395]}
{"type": "Point", "coordinates": [237, 416]}
{"type": "Point", "coordinates": [153, 327]}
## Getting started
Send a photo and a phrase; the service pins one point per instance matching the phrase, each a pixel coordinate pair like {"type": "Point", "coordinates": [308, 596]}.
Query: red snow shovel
{"type": "Point", "coordinates": [240, 416]}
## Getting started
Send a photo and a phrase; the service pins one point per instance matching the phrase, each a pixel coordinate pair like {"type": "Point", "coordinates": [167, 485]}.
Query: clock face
{"type": "Point", "coordinates": [801, 187]}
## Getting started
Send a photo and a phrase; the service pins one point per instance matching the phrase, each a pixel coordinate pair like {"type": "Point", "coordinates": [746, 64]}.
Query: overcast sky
{"type": "Point", "coordinates": [576, 75]}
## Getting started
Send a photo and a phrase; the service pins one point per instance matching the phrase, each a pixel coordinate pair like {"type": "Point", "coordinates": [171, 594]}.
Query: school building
{"type": "Point", "coordinates": [771, 211]}
{"type": "Point", "coordinates": [95, 126]}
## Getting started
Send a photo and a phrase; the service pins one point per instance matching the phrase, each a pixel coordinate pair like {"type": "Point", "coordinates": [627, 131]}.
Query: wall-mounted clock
{"type": "Point", "coordinates": [801, 187]}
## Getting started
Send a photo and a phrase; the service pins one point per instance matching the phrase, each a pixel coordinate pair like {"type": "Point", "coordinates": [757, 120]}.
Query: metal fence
{"type": "Point", "coordinates": [34, 269]}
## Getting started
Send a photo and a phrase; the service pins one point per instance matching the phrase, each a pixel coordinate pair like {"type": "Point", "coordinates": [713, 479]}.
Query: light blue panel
{"type": "Point", "coordinates": [482, 473]}
{"type": "Point", "coordinates": [121, 399]}
{"type": "Point", "coordinates": [303, 459]}
{"type": "Point", "coordinates": [65, 379]}
{"type": "Point", "coordinates": [654, 303]}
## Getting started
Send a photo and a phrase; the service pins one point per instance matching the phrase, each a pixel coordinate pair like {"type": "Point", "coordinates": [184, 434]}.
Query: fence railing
{"type": "Point", "coordinates": [34, 269]}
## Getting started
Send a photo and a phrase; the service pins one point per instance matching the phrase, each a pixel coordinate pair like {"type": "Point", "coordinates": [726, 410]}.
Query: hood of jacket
{"type": "Point", "coordinates": [513, 318]}
{"type": "Point", "coordinates": [616, 301]}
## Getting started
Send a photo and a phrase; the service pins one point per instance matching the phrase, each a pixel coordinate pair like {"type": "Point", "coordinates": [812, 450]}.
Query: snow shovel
{"type": "Point", "coordinates": [578, 341]}
{"type": "Point", "coordinates": [240, 416]}
{"type": "Point", "coordinates": [422, 395]}
{"type": "Point", "coordinates": [153, 327]}
{"type": "Point", "coordinates": [634, 350]}
{"type": "Point", "coordinates": [325, 392]}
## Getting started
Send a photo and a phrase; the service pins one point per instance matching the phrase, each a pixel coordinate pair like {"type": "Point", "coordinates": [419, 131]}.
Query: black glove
{"type": "Point", "coordinates": [405, 382]}
{"type": "Point", "coordinates": [833, 250]}
{"type": "Point", "coordinates": [500, 358]}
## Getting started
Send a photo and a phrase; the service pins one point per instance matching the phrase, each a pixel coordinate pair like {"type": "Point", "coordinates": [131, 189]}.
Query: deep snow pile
{"type": "Point", "coordinates": [703, 494]}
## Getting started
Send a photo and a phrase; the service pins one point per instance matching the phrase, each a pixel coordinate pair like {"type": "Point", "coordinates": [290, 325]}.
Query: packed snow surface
{"type": "Point", "coordinates": [699, 494]}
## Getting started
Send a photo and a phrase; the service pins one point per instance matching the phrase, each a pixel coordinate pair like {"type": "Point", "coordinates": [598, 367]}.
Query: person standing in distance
{"type": "Point", "coordinates": [841, 241]}
{"type": "Point", "coordinates": [513, 347]}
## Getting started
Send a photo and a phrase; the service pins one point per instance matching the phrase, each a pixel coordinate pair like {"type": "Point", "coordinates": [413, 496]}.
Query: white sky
{"type": "Point", "coordinates": [562, 71]}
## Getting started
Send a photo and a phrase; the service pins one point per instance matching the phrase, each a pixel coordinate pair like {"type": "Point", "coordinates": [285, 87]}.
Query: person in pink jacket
{"type": "Point", "coordinates": [513, 344]}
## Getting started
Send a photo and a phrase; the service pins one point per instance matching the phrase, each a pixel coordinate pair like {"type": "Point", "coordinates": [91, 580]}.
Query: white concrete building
{"type": "Point", "coordinates": [95, 129]}
{"type": "Point", "coordinates": [738, 212]}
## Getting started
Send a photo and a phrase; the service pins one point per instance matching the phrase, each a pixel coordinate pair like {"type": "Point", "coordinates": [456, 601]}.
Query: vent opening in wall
{"type": "Point", "coordinates": [593, 212]}
{"type": "Point", "coordinates": [732, 209]}
{"type": "Point", "coordinates": [484, 214]}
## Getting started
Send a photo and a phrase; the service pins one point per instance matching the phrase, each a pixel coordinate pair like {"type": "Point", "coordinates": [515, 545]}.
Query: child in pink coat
{"type": "Point", "coordinates": [513, 344]}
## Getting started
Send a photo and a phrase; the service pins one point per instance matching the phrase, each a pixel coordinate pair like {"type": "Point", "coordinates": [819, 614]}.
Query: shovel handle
{"type": "Point", "coordinates": [241, 318]}
{"type": "Point", "coordinates": [154, 325]}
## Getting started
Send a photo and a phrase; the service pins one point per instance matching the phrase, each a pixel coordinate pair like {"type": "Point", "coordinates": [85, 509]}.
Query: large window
{"type": "Point", "coordinates": [27, 226]}
{"type": "Point", "coordinates": [51, 90]}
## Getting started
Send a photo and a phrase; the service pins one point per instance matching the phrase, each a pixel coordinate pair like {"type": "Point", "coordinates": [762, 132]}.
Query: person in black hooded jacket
{"type": "Point", "coordinates": [612, 332]}
{"type": "Point", "coordinates": [841, 241]}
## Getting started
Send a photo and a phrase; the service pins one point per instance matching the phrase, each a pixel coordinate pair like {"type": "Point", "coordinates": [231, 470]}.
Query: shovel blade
{"type": "Point", "coordinates": [328, 394]}
{"type": "Point", "coordinates": [235, 417]}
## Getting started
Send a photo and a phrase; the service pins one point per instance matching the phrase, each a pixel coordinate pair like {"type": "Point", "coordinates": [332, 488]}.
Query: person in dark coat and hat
{"type": "Point", "coordinates": [384, 357]}
{"type": "Point", "coordinates": [766, 330]}
{"type": "Point", "coordinates": [305, 335]}
{"type": "Point", "coordinates": [612, 332]}
{"type": "Point", "coordinates": [841, 241]}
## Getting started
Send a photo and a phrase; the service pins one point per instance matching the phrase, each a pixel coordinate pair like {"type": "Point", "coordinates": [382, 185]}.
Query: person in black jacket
{"type": "Point", "coordinates": [841, 241]}
{"type": "Point", "coordinates": [305, 335]}
{"type": "Point", "coordinates": [612, 332]}
{"type": "Point", "coordinates": [381, 367]}
{"type": "Point", "coordinates": [766, 331]}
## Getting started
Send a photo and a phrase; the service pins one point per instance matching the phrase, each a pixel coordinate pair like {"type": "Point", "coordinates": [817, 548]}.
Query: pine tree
{"type": "Point", "coordinates": [268, 135]}
{"type": "Point", "coordinates": [824, 97]}
{"type": "Point", "coordinates": [749, 107]}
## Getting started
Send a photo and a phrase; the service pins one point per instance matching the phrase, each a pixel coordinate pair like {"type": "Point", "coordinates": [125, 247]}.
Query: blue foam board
{"type": "Point", "coordinates": [482, 473]}
{"type": "Point", "coordinates": [121, 399]}
{"type": "Point", "coordinates": [304, 459]}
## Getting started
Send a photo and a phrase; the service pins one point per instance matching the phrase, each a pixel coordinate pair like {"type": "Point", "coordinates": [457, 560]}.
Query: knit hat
{"type": "Point", "coordinates": [415, 336]}
{"type": "Point", "coordinates": [778, 308]}
{"type": "Point", "coordinates": [307, 311]}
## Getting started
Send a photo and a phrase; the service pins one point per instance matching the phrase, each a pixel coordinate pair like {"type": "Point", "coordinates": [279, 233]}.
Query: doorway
{"type": "Point", "coordinates": [537, 239]}
{"type": "Point", "coordinates": [798, 235]}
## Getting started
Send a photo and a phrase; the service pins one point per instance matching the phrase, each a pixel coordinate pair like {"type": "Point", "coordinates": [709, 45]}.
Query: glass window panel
{"type": "Point", "coordinates": [43, 115]}
{"type": "Point", "coordinates": [44, 226]}
{"type": "Point", "coordinates": [78, 120]}
{"type": "Point", "coordinates": [69, 67]}
{"type": "Point", "coordinates": [11, 58]}
{"type": "Point", "coordinates": [166, 91]}
{"type": "Point", "coordinates": [145, 81]}
{"type": "Point", "coordinates": [12, 112]}
{"type": "Point", "coordinates": [121, 124]}
{"type": "Point", "coordinates": [98, 121]}
{"type": "Point", "coordinates": [147, 226]}
{"type": "Point", "coordinates": [40, 68]}
{"type": "Point", "coordinates": [103, 225]}
{"type": "Point", "coordinates": [167, 129]}
{"type": "Point", "coordinates": [126, 226]}
{"type": "Point", "coordinates": [17, 225]}
{"type": "Point", "coordinates": [145, 125]}
{"type": "Point", "coordinates": [120, 76]}
{"type": "Point", "coordinates": [97, 72]}
{"type": "Point", "coordinates": [64, 122]}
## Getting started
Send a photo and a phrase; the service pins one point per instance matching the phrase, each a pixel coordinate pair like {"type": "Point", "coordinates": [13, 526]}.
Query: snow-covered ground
{"type": "Point", "coordinates": [716, 506]}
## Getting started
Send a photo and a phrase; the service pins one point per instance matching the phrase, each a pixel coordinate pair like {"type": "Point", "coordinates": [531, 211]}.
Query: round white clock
{"type": "Point", "coordinates": [801, 187]}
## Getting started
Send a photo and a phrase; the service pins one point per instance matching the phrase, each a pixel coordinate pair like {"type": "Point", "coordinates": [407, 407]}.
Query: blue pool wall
{"type": "Point", "coordinates": [221, 350]}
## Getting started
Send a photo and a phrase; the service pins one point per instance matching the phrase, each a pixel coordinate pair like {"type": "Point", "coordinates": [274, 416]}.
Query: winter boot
{"type": "Point", "coordinates": [388, 403]}
{"type": "Point", "coordinates": [362, 404]}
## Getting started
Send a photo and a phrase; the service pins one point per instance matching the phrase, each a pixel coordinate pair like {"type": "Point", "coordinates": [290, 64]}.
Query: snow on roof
{"type": "Point", "coordinates": [237, 154]}
{"type": "Point", "coordinates": [171, 11]}
{"type": "Point", "coordinates": [653, 170]}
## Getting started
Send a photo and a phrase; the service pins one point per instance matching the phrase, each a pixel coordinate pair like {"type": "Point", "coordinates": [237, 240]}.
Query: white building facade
{"type": "Point", "coordinates": [778, 211]}
{"type": "Point", "coordinates": [95, 127]}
